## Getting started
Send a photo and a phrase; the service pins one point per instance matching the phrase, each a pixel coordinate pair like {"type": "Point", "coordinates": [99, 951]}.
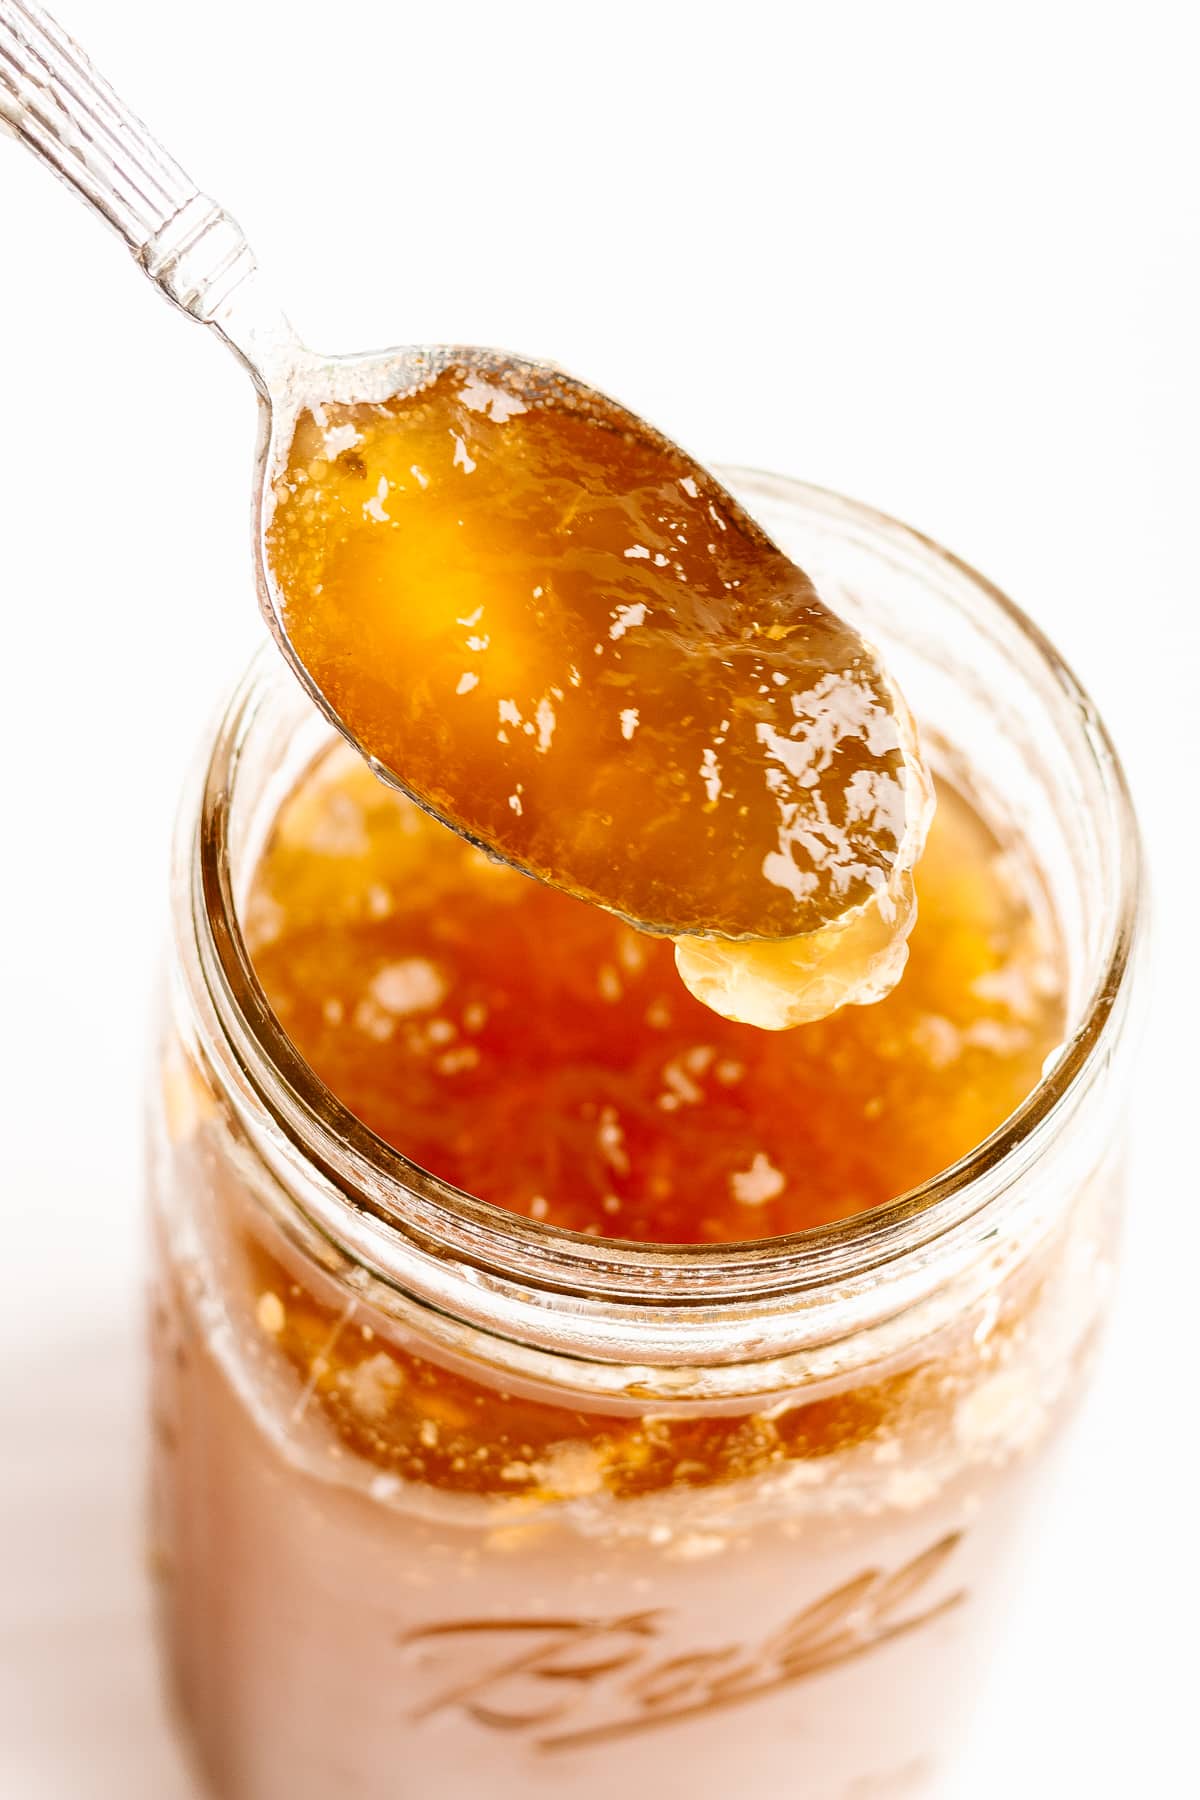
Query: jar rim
{"type": "Point", "coordinates": [382, 1192]}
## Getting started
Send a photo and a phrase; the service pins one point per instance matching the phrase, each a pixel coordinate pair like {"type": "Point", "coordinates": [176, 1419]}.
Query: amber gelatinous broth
{"type": "Point", "coordinates": [570, 641]}
{"type": "Point", "coordinates": [539, 1053]}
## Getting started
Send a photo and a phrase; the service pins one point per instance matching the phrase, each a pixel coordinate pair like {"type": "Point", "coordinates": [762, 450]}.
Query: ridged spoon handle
{"type": "Point", "coordinates": [196, 254]}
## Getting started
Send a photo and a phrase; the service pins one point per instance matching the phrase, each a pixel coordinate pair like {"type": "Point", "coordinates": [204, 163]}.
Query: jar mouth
{"type": "Point", "coordinates": [385, 1193]}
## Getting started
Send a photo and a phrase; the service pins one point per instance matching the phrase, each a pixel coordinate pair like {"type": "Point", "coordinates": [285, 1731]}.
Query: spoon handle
{"type": "Point", "coordinates": [189, 246]}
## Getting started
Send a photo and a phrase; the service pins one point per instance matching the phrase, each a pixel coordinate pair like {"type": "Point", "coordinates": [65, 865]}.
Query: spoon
{"type": "Point", "coordinates": [846, 944]}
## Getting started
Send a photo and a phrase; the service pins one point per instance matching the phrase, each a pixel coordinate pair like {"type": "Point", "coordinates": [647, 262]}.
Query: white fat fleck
{"type": "Point", "coordinates": [631, 952]}
{"type": "Point", "coordinates": [996, 1037]}
{"type": "Point", "coordinates": [609, 984]}
{"type": "Point", "coordinates": [1011, 986]}
{"type": "Point", "coordinates": [478, 643]}
{"type": "Point", "coordinates": [938, 1039]}
{"type": "Point", "coordinates": [629, 721]}
{"type": "Point", "coordinates": [571, 1470]}
{"type": "Point", "coordinates": [373, 1021]}
{"type": "Point", "coordinates": [611, 1139]}
{"type": "Point", "coordinates": [418, 474]}
{"type": "Point", "coordinates": [660, 561]}
{"type": "Point", "coordinates": [710, 775]}
{"type": "Point", "coordinates": [270, 1313]}
{"type": "Point", "coordinates": [412, 985]}
{"type": "Point", "coordinates": [681, 1088]}
{"type": "Point", "coordinates": [761, 1182]}
{"type": "Point", "coordinates": [625, 617]}
{"type": "Point", "coordinates": [509, 712]}
{"type": "Point", "coordinates": [573, 675]}
{"type": "Point", "coordinates": [472, 618]}
{"type": "Point", "coordinates": [265, 921]}
{"type": "Point", "coordinates": [689, 487]}
{"type": "Point", "coordinates": [546, 722]}
{"type": "Point", "coordinates": [374, 508]}
{"type": "Point", "coordinates": [466, 681]}
{"type": "Point", "coordinates": [636, 551]}
{"type": "Point", "coordinates": [514, 801]}
{"type": "Point", "coordinates": [372, 1385]}
{"type": "Point", "coordinates": [481, 396]}
{"type": "Point", "coordinates": [339, 438]}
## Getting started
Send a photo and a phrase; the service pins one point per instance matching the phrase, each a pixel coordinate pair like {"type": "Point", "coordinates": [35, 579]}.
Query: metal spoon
{"type": "Point", "coordinates": [196, 255]}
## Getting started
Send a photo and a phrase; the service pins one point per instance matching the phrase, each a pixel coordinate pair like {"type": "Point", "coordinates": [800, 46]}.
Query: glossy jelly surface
{"type": "Point", "coordinates": [565, 638]}
{"type": "Point", "coordinates": [540, 1054]}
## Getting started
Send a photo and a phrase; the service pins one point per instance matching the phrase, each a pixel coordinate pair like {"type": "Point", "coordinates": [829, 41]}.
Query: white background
{"type": "Point", "coordinates": [943, 257]}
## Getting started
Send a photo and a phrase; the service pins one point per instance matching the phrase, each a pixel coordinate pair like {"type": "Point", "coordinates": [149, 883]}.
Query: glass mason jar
{"type": "Point", "coordinates": [837, 1432]}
